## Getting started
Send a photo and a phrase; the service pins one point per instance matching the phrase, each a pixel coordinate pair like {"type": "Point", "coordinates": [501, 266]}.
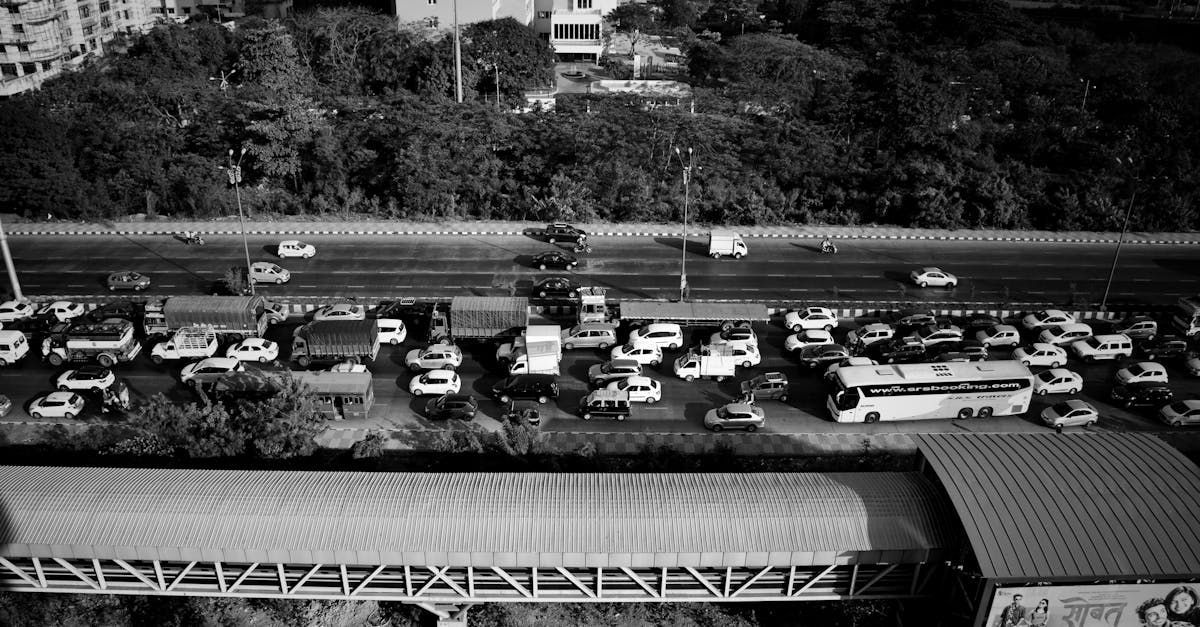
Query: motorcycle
{"type": "Point", "coordinates": [828, 248]}
{"type": "Point", "coordinates": [582, 247]}
{"type": "Point", "coordinates": [192, 238]}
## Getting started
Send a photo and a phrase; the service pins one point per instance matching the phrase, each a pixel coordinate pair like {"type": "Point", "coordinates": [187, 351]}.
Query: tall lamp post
{"type": "Point", "coordinates": [8, 264]}
{"type": "Point", "coordinates": [687, 180]}
{"type": "Point", "coordinates": [1121, 239]}
{"type": "Point", "coordinates": [234, 170]}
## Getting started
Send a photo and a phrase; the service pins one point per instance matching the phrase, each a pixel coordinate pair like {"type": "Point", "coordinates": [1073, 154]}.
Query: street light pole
{"type": "Point", "coordinates": [235, 179]}
{"type": "Point", "coordinates": [8, 263]}
{"type": "Point", "coordinates": [1112, 271]}
{"type": "Point", "coordinates": [687, 179]}
{"type": "Point", "coordinates": [458, 88]}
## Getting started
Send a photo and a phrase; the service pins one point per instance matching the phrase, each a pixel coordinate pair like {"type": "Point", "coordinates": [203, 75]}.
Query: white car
{"type": "Point", "coordinates": [811, 318]}
{"type": "Point", "coordinates": [63, 310]}
{"type": "Point", "coordinates": [999, 335]}
{"type": "Point", "coordinates": [811, 337]}
{"type": "Point", "coordinates": [295, 248]}
{"type": "Point", "coordinates": [869, 334]}
{"type": "Point", "coordinates": [391, 331]}
{"type": "Point", "coordinates": [743, 354]}
{"type": "Point", "coordinates": [341, 311]}
{"type": "Point", "coordinates": [57, 405]}
{"type": "Point", "coordinates": [640, 389]}
{"type": "Point", "coordinates": [1046, 318]}
{"type": "Point", "coordinates": [1181, 413]}
{"type": "Point", "coordinates": [1070, 413]}
{"type": "Point", "coordinates": [1065, 334]}
{"type": "Point", "coordinates": [832, 370]}
{"type": "Point", "coordinates": [208, 370]}
{"type": "Point", "coordinates": [1193, 366]}
{"type": "Point", "coordinates": [735, 335]}
{"type": "Point", "coordinates": [436, 382]}
{"type": "Point", "coordinates": [933, 335]}
{"type": "Point", "coordinates": [1041, 354]}
{"type": "Point", "coordinates": [1142, 371]}
{"type": "Point", "coordinates": [13, 310]}
{"type": "Point", "coordinates": [254, 349]}
{"type": "Point", "coordinates": [86, 378]}
{"type": "Point", "coordinates": [348, 366]}
{"type": "Point", "coordinates": [1057, 381]}
{"type": "Point", "coordinates": [267, 272]}
{"type": "Point", "coordinates": [664, 335]}
{"type": "Point", "coordinates": [642, 353]}
{"type": "Point", "coordinates": [925, 277]}
{"type": "Point", "coordinates": [435, 357]}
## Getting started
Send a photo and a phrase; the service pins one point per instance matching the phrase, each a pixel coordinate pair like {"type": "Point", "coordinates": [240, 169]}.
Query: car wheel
{"type": "Point", "coordinates": [542, 294]}
{"type": "Point", "coordinates": [796, 328]}
{"type": "Point", "coordinates": [1177, 423]}
{"type": "Point", "coordinates": [1026, 362]}
{"type": "Point", "coordinates": [689, 378]}
{"type": "Point", "coordinates": [69, 416]}
{"type": "Point", "coordinates": [1128, 404]}
{"type": "Point", "coordinates": [751, 428]}
{"type": "Point", "coordinates": [984, 412]}
{"type": "Point", "coordinates": [717, 428]}
{"type": "Point", "coordinates": [1042, 392]}
{"type": "Point", "coordinates": [672, 346]}
{"type": "Point", "coordinates": [278, 281]}
{"type": "Point", "coordinates": [3, 362]}
{"type": "Point", "coordinates": [63, 388]}
{"type": "Point", "coordinates": [541, 266]}
{"type": "Point", "coordinates": [393, 342]}
{"type": "Point", "coordinates": [737, 255]}
{"type": "Point", "coordinates": [112, 288]}
{"type": "Point", "coordinates": [1150, 355]}
{"type": "Point", "coordinates": [414, 367]}
{"type": "Point", "coordinates": [571, 294]}
{"type": "Point", "coordinates": [716, 255]}
{"type": "Point", "coordinates": [923, 284]}
{"type": "Point", "coordinates": [504, 398]}
{"type": "Point", "coordinates": [586, 416]}
{"type": "Point", "coordinates": [745, 364]}
{"type": "Point", "coordinates": [655, 362]}
{"type": "Point", "coordinates": [570, 346]}
{"type": "Point", "coordinates": [1054, 364]}
{"type": "Point", "coordinates": [872, 417]}
{"type": "Point", "coordinates": [1073, 391]}
{"type": "Point", "coordinates": [620, 417]}
{"type": "Point", "coordinates": [603, 345]}
{"type": "Point", "coordinates": [307, 255]}
{"type": "Point", "coordinates": [542, 400]}
{"type": "Point", "coordinates": [651, 400]}
{"type": "Point", "coordinates": [951, 285]}
{"type": "Point", "coordinates": [450, 367]}
{"type": "Point", "coordinates": [550, 239]}
{"type": "Point", "coordinates": [1090, 423]}
{"type": "Point", "coordinates": [418, 392]}
{"type": "Point", "coordinates": [37, 415]}
{"type": "Point", "coordinates": [1122, 356]}
{"type": "Point", "coordinates": [157, 359]}
{"type": "Point", "coordinates": [1150, 338]}
{"type": "Point", "coordinates": [965, 412]}
{"type": "Point", "coordinates": [783, 397]}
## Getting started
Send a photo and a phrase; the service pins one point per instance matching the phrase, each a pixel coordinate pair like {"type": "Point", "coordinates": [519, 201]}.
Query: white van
{"type": "Point", "coordinates": [13, 346]}
{"type": "Point", "coordinates": [1103, 347]}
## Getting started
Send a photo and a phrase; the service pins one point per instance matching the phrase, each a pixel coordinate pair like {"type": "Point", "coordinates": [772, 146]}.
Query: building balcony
{"type": "Point", "coordinates": [46, 53]}
{"type": "Point", "coordinates": [577, 12]}
{"type": "Point", "coordinates": [13, 3]}
{"type": "Point", "coordinates": [16, 38]}
{"type": "Point", "coordinates": [42, 11]}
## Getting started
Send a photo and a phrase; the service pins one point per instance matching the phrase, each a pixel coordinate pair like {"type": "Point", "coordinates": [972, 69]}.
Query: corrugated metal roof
{"type": "Point", "coordinates": [210, 304]}
{"type": "Point", "coordinates": [1041, 506]}
{"type": "Point", "coordinates": [650, 309]}
{"type": "Point", "coordinates": [502, 519]}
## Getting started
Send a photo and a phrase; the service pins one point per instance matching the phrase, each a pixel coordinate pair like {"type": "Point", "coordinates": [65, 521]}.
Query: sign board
{"type": "Point", "coordinates": [1118, 605]}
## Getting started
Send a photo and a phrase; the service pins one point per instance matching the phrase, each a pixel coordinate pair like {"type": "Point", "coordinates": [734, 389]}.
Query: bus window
{"type": "Point", "coordinates": [847, 399]}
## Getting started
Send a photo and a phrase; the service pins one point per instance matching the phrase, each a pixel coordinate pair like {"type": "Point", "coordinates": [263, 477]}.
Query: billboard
{"type": "Point", "coordinates": [1120, 605]}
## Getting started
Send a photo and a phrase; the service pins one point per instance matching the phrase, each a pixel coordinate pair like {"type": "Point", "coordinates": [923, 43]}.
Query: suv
{"type": "Point", "coordinates": [961, 351]}
{"type": "Point", "coordinates": [1165, 347]}
{"type": "Point", "coordinates": [768, 386]}
{"type": "Point", "coordinates": [1104, 347]}
{"type": "Point", "coordinates": [821, 355]}
{"type": "Point", "coordinates": [899, 350]}
{"type": "Point", "coordinates": [462, 406]}
{"type": "Point", "coordinates": [1149, 393]}
{"type": "Point", "coordinates": [605, 404]}
{"type": "Point", "coordinates": [869, 334]}
{"type": "Point", "coordinates": [541, 387]}
{"type": "Point", "coordinates": [601, 375]}
{"type": "Point", "coordinates": [1137, 327]}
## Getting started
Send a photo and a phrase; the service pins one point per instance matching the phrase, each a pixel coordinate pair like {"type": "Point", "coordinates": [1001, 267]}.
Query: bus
{"type": "Point", "coordinates": [930, 391]}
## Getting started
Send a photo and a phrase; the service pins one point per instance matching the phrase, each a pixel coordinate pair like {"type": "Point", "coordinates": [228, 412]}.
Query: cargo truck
{"type": "Point", "coordinates": [234, 318]}
{"type": "Point", "coordinates": [716, 362]}
{"type": "Point", "coordinates": [479, 318]}
{"type": "Point", "coordinates": [331, 341]}
{"type": "Point", "coordinates": [541, 351]}
{"type": "Point", "coordinates": [722, 243]}
{"type": "Point", "coordinates": [106, 343]}
{"type": "Point", "coordinates": [192, 343]}
{"type": "Point", "coordinates": [634, 313]}
{"type": "Point", "coordinates": [532, 333]}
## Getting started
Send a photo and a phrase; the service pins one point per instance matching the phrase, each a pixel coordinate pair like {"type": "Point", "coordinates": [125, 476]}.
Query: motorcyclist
{"type": "Point", "coordinates": [827, 245]}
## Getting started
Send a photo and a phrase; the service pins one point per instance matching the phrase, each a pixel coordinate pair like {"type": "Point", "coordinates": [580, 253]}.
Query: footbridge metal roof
{"type": "Point", "coordinates": [478, 519]}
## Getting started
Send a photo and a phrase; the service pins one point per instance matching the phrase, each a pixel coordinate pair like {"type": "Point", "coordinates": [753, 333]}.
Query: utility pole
{"type": "Point", "coordinates": [458, 90]}
{"type": "Point", "coordinates": [8, 264]}
{"type": "Point", "coordinates": [687, 180]}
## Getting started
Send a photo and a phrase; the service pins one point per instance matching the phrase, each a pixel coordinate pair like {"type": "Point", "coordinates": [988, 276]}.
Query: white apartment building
{"type": "Point", "coordinates": [181, 10]}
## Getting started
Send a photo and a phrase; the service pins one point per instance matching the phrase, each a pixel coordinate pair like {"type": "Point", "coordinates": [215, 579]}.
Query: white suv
{"type": "Point", "coordinates": [1103, 347]}
{"type": "Point", "coordinates": [811, 318]}
{"type": "Point", "coordinates": [664, 335]}
{"type": "Point", "coordinates": [870, 334]}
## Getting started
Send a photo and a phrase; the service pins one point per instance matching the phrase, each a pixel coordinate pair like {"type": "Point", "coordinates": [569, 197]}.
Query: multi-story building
{"type": "Point", "coordinates": [181, 10]}
{"type": "Point", "coordinates": [38, 38]}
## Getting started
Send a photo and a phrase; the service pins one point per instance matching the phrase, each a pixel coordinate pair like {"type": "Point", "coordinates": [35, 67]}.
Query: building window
{"type": "Point", "coordinates": [14, 9]}
{"type": "Point", "coordinates": [88, 30]}
{"type": "Point", "coordinates": [433, 22]}
{"type": "Point", "coordinates": [28, 68]}
{"type": "Point", "coordinates": [105, 6]}
{"type": "Point", "coordinates": [8, 70]}
{"type": "Point", "coordinates": [18, 28]}
{"type": "Point", "coordinates": [105, 22]}
{"type": "Point", "coordinates": [22, 48]}
{"type": "Point", "coordinates": [585, 4]}
{"type": "Point", "coordinates": [85, 12]}
{"type": "Point", "coordinates": [431, 1]}
{"type": "Point", "coordinates": [543, 15]}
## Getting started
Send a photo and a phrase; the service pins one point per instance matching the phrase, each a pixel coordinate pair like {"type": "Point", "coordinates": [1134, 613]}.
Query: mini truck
{"type": "Point", "coordinates": [106, 343]}
{"type": "Point", "coordinates": [538, 350]}
{"type": "Point", "coordinates": [480, 318]}
{"type": "Point", "coordinates": [593, 308]}
{"type": "Point", "coordinates": [721, 243]}
{"type": "Point", "coordinates": [193, 343]}
{"type": "Point", "coordinates": [716, 362]}
{"type": "Point", "coordinates": [235, 318]}
{"type": "Point", "coordinates": [330, 341]}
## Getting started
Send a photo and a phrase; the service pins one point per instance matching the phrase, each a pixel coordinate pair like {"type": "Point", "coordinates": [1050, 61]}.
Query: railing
{"type": "Point", "coordinates": [576, 12]}
{"type": "Point", "coordinates": [46, 53]}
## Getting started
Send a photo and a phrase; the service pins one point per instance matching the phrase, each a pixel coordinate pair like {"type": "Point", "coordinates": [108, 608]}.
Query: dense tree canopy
{"type": "Point", "coordinates": [942, 114]}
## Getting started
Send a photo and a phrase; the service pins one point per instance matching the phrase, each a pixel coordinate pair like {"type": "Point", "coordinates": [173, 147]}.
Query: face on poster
{"type": "Point", "coordinates": [1123, 605]}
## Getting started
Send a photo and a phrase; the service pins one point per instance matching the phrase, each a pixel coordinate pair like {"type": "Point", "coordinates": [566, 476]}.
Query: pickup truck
{"type": "Point", "coordinates": [198, 343]}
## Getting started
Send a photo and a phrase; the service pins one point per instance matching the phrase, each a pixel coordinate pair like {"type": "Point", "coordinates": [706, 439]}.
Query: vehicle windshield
{"type": "Point", "coordinates": [722, 413]}
{"type": "Point", "coordinates": [1180, 407]}
{"type": "Point", "coordinates": [1046, 376]}
{"type": "Point", "coordinates": [1041, 315]}
{"type": "Point", "coordinates": [1062, 409]}
{"type": "Point", "coordinates": [1093, 342]}
{"type": "Point", "coordinates": [627, 348]}
{"type": "Point", "coordinates": [1136, 370]}
{"type": "Point", "coordinates": [846, 399]}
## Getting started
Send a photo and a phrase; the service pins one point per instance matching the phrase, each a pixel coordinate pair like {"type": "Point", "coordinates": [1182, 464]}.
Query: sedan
{"type": "Point", "coordinates": [135, 281]}
{"type": "Point", "coordinates": [642, 353]}
{"type": "Point", "coordinates": [960, 351]}
{"type": "Point", "coordinates": [207, 371]}
{"type": "Point", "coordinates": [562, 232]}
{"type": "Point", "coordinates": [1142, 371]}
{"type": "Point", "coordinates": [917, 320]}
{"type": "Point", "coordinates": [924, 277]}
{"type": "Point", "coordinates": [979, 321]}
{"type": "Point", "coordinates": [57, 405]}
{"type": "Point", "coordinates": [461, 406]}
{"type": "Point", "coordinates": [341, 311]}
{"type": "Point", "coordinates": [554, 259]}
{"type": "Point", "coordinates": [735, 416]}
{"type": "Point", "coordinates": [555, 287]}
{"type": "Point", "coordinates": [1040, 354]}
{"type": "Point", "coordinates": [811, 318]}
{"type": "Point", "coordinates": [811, 337]}
{"type": "Point", "coordinates": [438, 356]}
{"type": "Point", "coordinates": [86, 378]}
{"type": "Point", "coordinates": [295, 248]}
{"type": "Point", "coordinates": [1181, 413]}
{"type": "Point", "coordinates": [1046, 318]}
{"type": "Point", "coordinates": [435, 382]}
{"type": "Point", "coordinates": [1072, 413]}
{"type": "Point", "coordinates": [640, 389]}
{"type": "Point", "coordinates": [1193, 366]}
{"type": "Point", "coordinates": [62, 310]}
{"type": "Point", "coordinates": [15, 310]}
{"type": "Point", "coordinates": [1057, 381]}
{"type": "Point", "coordinates": [267, 272]}
{"type": "Point", "coordinates": [254, 349]}
{"type": "Point", "coordinates": [823, 355]}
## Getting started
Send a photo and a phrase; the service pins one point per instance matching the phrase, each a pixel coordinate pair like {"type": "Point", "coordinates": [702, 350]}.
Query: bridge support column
{"type": "Point", "coordinates": [449, 614]}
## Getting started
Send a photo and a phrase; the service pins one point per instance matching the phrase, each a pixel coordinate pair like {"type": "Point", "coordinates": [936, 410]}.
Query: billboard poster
{"type": "Point", "coordinates": [1120, 605]}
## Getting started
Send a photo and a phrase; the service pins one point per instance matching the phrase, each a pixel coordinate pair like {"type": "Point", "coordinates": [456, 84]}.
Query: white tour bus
{"type": "Point", "coordinates": [920, 391]}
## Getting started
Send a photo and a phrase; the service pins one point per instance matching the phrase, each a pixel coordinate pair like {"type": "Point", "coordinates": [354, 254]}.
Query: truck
{"type": "Point", "coordinates": [635, 313]}
{"type": "Point", "coordinates": [330, 341]}
{"type": "Point", "coordinates": [190, 343]}
{"type": "Point", "coordinates": [722, 243]}
{"type": "Point", "coordinates": [714, 361]}
{"type": "Point", "coordinates": [106, 343]}
{"type": "Point", "coordinates": [479, 318]}
{"type": "Point", "coordinates": [1186, 317]}
{"type": "Point", "coordinates": [534, 333]}
{"type": "Point", "coordinates": [539, 352]}
{"type": "Point", "coordinates": [232, 317]}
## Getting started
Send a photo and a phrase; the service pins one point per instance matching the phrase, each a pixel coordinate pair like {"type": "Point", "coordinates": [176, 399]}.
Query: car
{"type": "Point", "coordinates": [562, 232]}
{"type": "Point", "coordinates": [554, 259]}
{"type": "Point", "coordinates": [1137, 327]}
{"type": "Point", "coordinates": [665, 335]}
{"type": "Point", "coordinates": [589, 335]}
{"type": "Point", "coordinates": [608, 403]}
{"type": "Point", "coordinates": [123, 309]}
{"type": "Point", "coordinates": [932, 335]}
{"type": "Point", "coordinates": [859, 339]}
{"type": "Point", "coordinates": [267, 272]}
{"type": "Point", "coordinates": [5, 405]}
{"type": "Point", "coordinates": [979, 321]}
{"type": "Point", "coordinates": [86, 378]}
{"type": "Point", "coordinates": [1040, 354]}
{"type": "Point", "coordinates": [917, 320]}
{"type": "Point", "coordinates": [127, 280]}
{"type": "Point", "coordinates": [1070, 413]}
{"type": "Point", "coordinates": [341, 311]}
{"type": "Point", "coordinates": [601, 375]}
{"type": "Point", "coordinates": [1046, 318]}
{"type": "Point", "coordinates": [435, 382]}
{"type": "Point", "coordinates": [434, 357]}
{"type": "Point", "coordinates": [768, 386]}
{"type": "Point", "coordinates": [810, 337]}
{"type": "Point", "coordinates": [960, 351]}
{"type": "Point", "coordinates": [642, 353]}
{"type": "Point", "coordinates": [1181, 413]}
{"type": "Point", "coordinates": [640, 389]}
{"type": "Point", "coordinates": [12, 310]}
{"type": "Point", "coordinates": [295, 248]}
{"type": "Point", "coordinates": [823, 355]}
{"type": "Point", "coordinates": [62, 310]}
{"type": "Point", "coordinates": [744, 354]}
{"type": "Point", "coordinates": [898, 351]}
{"type": "Point", "coordinates": [206, 371]}
{"type": "Point", "coordinates": [735, 335]}
{"type": "Point", "coordinates": [811, 318]}
{"type": "Point", "coordinates": [1145, 394]}
{"type": "Point", "coordinates": [735, 416]}
{"type": "Point", "coordinates": [541, 387]}
{"type": "Point", "coordinates": [999, 335]}
{"type": "Point", "coordinates": [1100, 347]}
{"type": "Point", "coordinates": [33, 327]}
{"type": "Point", "coordinates": [555, 287]}
{"type": "Point", "coordinates": [832, 370]}
{"type": "Point", "coordinates": [446, 406]}
{"type": "Point", "coordinates": [1057, 381]}
{"type": "Point", "coordinates": [1065, 334]}
{"type": "Point", "coordinates": [57, 405]}
{"type": "Point", "coordinates": [391, 331]}
{"type": "Point", "coordinates": [254, 349]}
{"type": "Point", "coordinates": [925, 277]}
{"type": "Point", "coordinates": [1193, 366]}
{"type": "Point", "coordinates": [1142, 371]}
{"type": "Point", "coordinates": [1165, 347]}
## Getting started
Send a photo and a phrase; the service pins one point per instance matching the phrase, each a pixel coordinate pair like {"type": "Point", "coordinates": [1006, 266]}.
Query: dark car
{"type": "Point", "coordinates": [897, 351]}
{"type": "Point", "coordinates": [960, 351]}
{"type": "Point", "coordinates": [612, 404]}
{"type": "Point", "coordinates": [446, 406]}
{"type": "Point", "coordinates": [554, 259]}
{"type": "Point", "coordinates": [820, 355]}
{"type": "Point", "coordinates": [978, 322]}
{"type": "Point", "coordinates": [123, 309]}
{"type": "Point", "coordinates": [1164, 347]}
{"type": "Point", "coordinates": [522, 411]}
{"type": "Point", "coordinates": [127, 280]}
{"type": "Point", "coordinates": [34, 328]}
{"type": "Point", "coordinates": [541, 387]}
{"type": "Point", "coordinates": [1142, 393]}
{"type": "Point", "coordinates": [560, 232]}
{"type": "Point", "coordinates": [767, 386]}
{"type": "Point", "coordinates": [555, 287]}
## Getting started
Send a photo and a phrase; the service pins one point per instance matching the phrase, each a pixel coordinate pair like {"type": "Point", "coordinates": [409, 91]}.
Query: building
{"type": "Point", "coordinates": [221, 10]}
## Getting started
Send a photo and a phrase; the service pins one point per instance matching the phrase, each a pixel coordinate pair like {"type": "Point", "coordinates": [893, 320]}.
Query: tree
{"type": "Point", "coordinates": [521, 58]}
{"type": "Point", "coordinates": [283, 425]}
{"type": "Point", "coordinates": [191, 428]}
{"type": "Point", "coordinates": [634, 19]}
{"type": "Point", "coordinates": [269, 60]}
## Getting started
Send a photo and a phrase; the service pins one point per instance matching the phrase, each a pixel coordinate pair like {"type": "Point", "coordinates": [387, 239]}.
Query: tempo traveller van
{"type": "Point", "coordinates": [13, 346]}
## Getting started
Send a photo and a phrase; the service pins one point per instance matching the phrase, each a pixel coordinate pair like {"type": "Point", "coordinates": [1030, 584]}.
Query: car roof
{"type": "Point", "coordinates": [218, 361]}
{"type": "Point", "coordinates": [931, 269]}
{"type": "Point", "coordinates": [743, 408]}
{"type": "Point", "coordinates": [773, 376]}
{"type": "Point", "coordinates": [1041, 346]}
{"type": "Point", "coordinates": [1059, 372]}
{"type": "Point", "coordinates": [821, 347]}
{"type": "Point", "coordinates": [59, 396]}
{"type": "Point", "coordinates": [1075, 403]}
{"type": "Point", "coordinates": [459, 397]}
{"type": "Point", "coordinates": [625, 363]}
{"type": "Point", "coordinates": [639, 379]}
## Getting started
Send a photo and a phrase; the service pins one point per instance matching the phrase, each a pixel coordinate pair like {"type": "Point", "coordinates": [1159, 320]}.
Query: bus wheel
{"type": "Point", "coordinates": [985, 412]}
{"type": "Point", "coordinates": [872, 417]}
{"type": "Point", "coordinates": [965, 412]}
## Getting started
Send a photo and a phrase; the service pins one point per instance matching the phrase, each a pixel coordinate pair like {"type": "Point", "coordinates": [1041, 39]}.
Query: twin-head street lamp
{"type": "Point", "coordinates": [234, 170]}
